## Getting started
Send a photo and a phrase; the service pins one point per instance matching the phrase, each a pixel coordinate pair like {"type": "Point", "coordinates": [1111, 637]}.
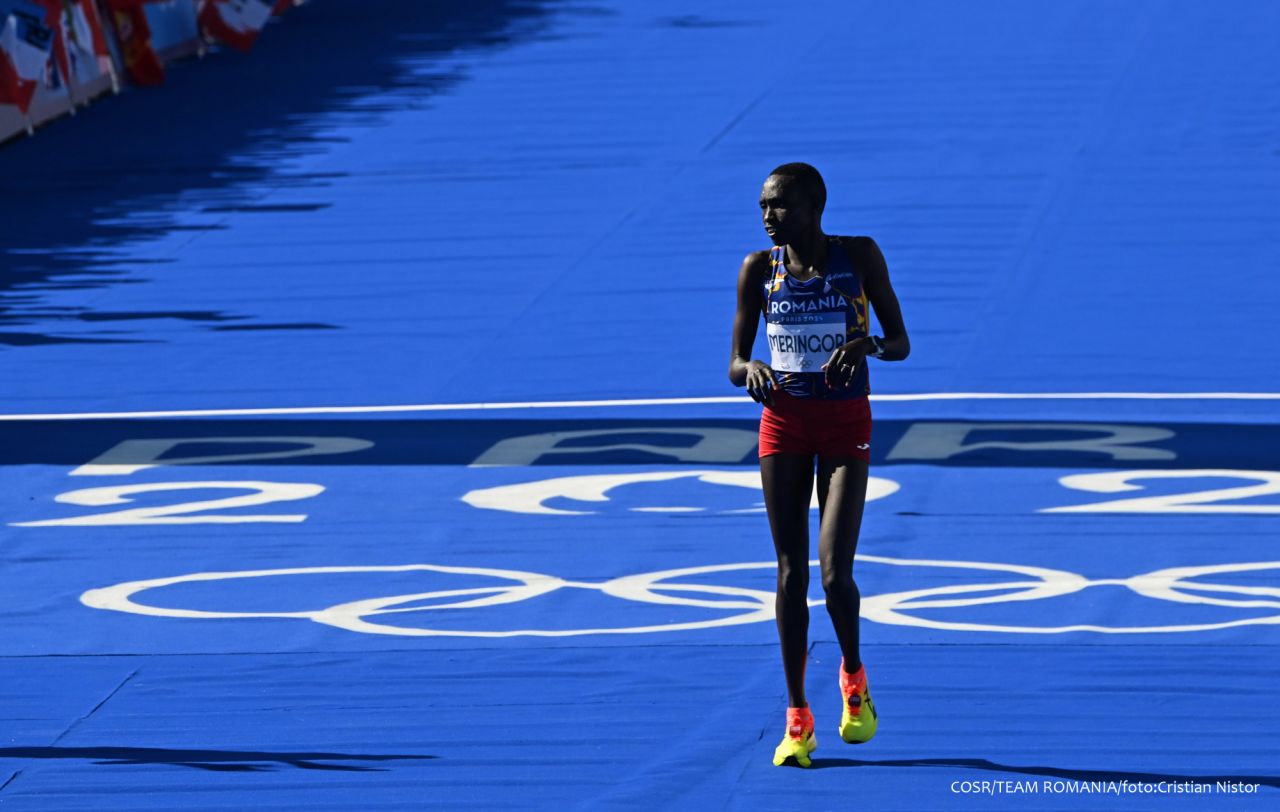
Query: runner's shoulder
{"type": "Point", "coordinates": [866, 255]}
{"type": "Point", "coordinates": [859, 242]}
{"type": "Point", "coordinates": [756, 265]}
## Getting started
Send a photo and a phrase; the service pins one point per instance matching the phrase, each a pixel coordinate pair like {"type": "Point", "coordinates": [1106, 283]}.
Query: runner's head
{"type": "Point", "coordinates": [791, 202]}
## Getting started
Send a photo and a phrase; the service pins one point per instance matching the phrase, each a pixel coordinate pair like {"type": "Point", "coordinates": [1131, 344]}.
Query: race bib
{"type": "Point", "coordinates": [805, 346]}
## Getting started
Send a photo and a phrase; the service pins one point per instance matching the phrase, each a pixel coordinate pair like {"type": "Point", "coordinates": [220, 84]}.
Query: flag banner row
{"type": "Point", "coordinates": [56, 55]}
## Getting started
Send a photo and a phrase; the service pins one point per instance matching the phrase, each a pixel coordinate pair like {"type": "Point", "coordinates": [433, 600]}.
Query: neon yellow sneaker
{"type": "Point", "coordinates": [799, 740]}
{"type": "Point", "coordinates": [858, 722]}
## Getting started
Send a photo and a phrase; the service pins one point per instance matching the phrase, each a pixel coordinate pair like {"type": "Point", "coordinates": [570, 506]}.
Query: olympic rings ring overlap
{"type": "Point", "coordinates": [752, 605]}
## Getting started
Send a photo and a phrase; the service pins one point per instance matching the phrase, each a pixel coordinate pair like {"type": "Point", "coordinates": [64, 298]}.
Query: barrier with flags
{"type": "Point", "coordinates": [26, 43]}
{"type": "Point", "coordinates": [238, 22]}
{"type": "Point", "coordinates": [56, 55]}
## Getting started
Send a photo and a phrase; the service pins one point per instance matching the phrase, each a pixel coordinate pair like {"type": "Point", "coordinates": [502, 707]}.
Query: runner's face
{"type": "Point", "coordinates": [786, 210]}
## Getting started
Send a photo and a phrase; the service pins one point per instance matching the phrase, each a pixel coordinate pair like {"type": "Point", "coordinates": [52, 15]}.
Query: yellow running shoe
{"type": "Point", "coordinates": [858, 722]}
{"type": "Point", "coordinates": [799, 740]}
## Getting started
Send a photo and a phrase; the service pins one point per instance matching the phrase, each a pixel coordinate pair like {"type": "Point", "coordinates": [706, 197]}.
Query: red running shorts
{"type": "Point", "coordinates": [828, 428]}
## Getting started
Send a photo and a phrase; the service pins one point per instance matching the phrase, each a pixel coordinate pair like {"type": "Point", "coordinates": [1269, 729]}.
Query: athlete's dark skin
{"type": "Point", "coordinates": [793, 218]}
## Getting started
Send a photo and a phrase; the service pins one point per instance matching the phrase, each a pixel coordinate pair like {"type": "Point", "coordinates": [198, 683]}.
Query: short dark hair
{"type": "Point", "coordinates": [809, 179]}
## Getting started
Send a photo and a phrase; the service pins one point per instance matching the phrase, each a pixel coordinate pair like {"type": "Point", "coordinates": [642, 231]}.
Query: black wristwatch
{"type": "Point", "coordinates": [877, 346]}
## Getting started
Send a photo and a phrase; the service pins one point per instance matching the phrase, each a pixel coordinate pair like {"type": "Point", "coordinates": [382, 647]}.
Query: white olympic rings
{"type": "Point", "coordinates": [755, 605]}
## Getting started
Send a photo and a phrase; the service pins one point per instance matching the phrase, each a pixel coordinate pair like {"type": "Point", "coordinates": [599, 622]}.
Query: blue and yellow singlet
{"type": "Point", "coordinates": [806, 321]}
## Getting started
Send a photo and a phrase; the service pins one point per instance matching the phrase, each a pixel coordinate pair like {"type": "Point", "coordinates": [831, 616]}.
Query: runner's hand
{"type": "Point", "coordinates": [843, 363]}
{"type": "Point", "coordinates": [761, 382]}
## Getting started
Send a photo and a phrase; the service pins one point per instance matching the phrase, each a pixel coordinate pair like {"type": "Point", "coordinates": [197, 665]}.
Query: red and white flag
{"type": "Point", "coordinates": [82, 32]}
{"type": "Point", "coordinates": [141, 61]}
{"type": "Point", "coordinates": [235, 22]}
{"type": "Point", "coordinates": [26, 40]}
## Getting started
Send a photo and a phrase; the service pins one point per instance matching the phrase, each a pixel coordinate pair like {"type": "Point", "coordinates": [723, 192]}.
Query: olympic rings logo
{"type": "Point", "coordinates": [750, 605]}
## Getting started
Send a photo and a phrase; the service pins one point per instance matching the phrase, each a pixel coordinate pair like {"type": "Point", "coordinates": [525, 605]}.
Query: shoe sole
{"type": "Point", "coordinates": [809, 748]}
{"type": "Point", "coordinates": [848, 740]}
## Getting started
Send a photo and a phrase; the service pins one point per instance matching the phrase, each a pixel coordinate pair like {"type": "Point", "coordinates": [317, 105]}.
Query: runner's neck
{"type": "Point", "coordinates": [808, 259]}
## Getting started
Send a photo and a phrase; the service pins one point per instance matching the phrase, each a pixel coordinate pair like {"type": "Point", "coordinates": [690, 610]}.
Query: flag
{"type": "Point", "coordinates": [141, 61]}
{"type": "Point", "coordinates": [26, 40]}
{"type": "Point", "coordinates": [235, 22]}
{"type": "Point", "coordinates": [59, 68]}
{"type": "Point", "coordinates": [85, 43]}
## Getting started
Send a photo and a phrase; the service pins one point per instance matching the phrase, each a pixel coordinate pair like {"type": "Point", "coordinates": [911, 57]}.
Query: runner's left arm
{"type": "Point", "coordinates": [840, 368]}
{"type": "Point", "coordinates": [875, 281]}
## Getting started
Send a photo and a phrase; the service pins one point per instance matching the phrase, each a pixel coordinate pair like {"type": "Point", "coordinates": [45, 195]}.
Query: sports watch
{"type": "Point", "coordinates": [877, 346]}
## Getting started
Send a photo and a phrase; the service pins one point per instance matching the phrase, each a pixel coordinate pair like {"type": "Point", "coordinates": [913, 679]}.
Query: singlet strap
{"type": "Point", "coordinates": [776, 258]}
{"type": "Point", "coordinates": [839, 249]}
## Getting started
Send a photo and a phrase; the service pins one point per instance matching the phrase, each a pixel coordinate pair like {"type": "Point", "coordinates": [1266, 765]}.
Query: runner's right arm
{"type": "Point", "coordinates": [757, 376]}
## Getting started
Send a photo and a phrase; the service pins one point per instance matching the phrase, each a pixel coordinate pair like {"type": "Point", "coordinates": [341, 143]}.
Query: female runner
{"type": "Point", "coordinates": [813, 290]}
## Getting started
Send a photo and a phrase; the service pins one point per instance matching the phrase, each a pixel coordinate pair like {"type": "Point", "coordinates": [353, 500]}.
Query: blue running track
{"type": "Point", "coordinates": [367, 444]}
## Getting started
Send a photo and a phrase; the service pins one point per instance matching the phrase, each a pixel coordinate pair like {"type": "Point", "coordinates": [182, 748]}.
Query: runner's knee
{"type": "Point", "coordinates": [793, 579]}
{"type": "Point", "coordinates": [839, 585]}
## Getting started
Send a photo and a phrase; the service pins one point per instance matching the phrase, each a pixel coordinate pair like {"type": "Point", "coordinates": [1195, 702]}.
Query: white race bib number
{"type": "Point", "coordinates": [805, 346]}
